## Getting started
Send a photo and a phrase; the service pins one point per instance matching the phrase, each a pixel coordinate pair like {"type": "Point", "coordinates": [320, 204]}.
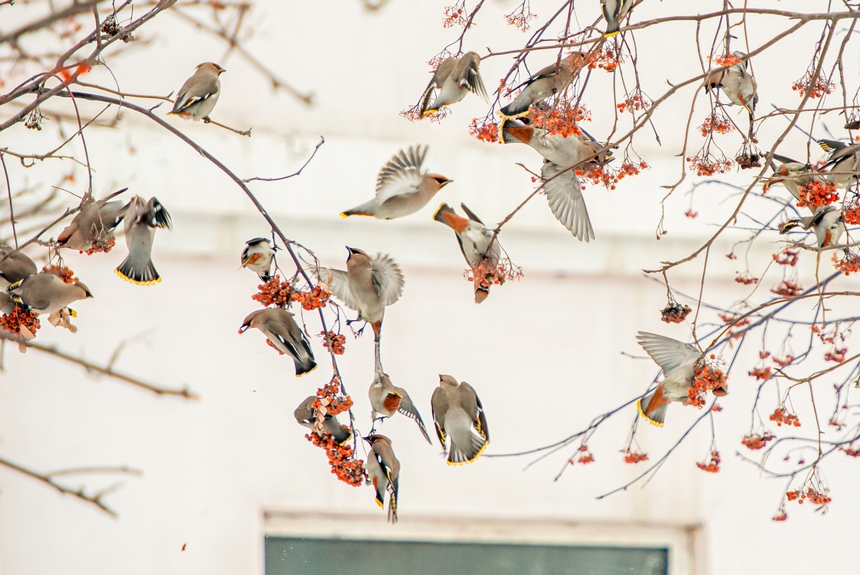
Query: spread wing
{"type": "Point", "coordinates": [468, 76]}
{"type": "Point", "coordinates": [387, 278]}
{"type": "Point", "coordinates": [401, 175]}
{"type": "Point", "coordinates": [668, 353]}
{"type": "Point", "coordinates": [439, 407]}
{"type": "Point", "coordinates": [481, 419]}
{"type": "Point", "coordinates": [408, 409]}
{"type": "Point", "coordinates": [338, 285]}
{"type": "Point", "coordinates": [564, 195]}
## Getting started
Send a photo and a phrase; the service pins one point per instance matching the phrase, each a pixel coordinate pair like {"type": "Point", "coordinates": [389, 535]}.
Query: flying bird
{"type": "Point", "coordinates": [93, 226]}
{"type": "Point", "coordinates": [386, 399]}
{"type": "Point", "coordinates": [401, 187]}
{"type": "Point", "coordinates": [452, 80]}
{"type": "Point", "coordinates": [198, 95]}
{"type": "Point", "coordinates": [736, 83]}
{"type": "Point", "coordinates": [383, 472]}
{"type": "Point", "coordinates": [141, 219]}
{"type": "Point", "coordinates": [459, 415]}
{"type": "Point", "coordinates": [285, 335]}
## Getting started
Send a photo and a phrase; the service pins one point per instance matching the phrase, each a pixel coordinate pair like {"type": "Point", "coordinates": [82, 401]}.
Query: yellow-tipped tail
{"type": "Point", "coordinates": [645, 416]}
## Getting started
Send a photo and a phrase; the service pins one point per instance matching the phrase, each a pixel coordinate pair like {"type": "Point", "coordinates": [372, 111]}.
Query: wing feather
{"type": "Point", "coordinates": [564, 195]}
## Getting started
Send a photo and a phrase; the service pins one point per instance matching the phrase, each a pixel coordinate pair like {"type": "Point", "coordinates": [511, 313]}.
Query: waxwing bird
{"type": "Point", "coordinates": [257, 257]}
{"type": "Point", "coordinates": [386, 399]}
{"type": "Point", "coordinates": [564, 194]}
{"type": "Point", "coordinates": [736, 83]}
{"type": "Point", "coordinates": [369, 285]}
{"type": "Point", "coordinates": [679, 362]}
{"type": "Point", "coordinates": [481, 250]}
{"type": "Point", "coordinates": [281, 329]}
{"type": "Point", "coordinates": [843, 163]}
{"type": "Point", "coordinates": [198, 95]}
{"type": "Point", "coordinates": [827, 222]}
{"type": "Point", "coordinates": [458, 414]}
{"type": "Point", "coordinates": [46, 293]}
{"type": "Point", "coordinates": [383, 472]}
{"type": "Point", "coordinates": [452, 80]}
{"type": "Point", "coordinates": [308, 416]}
{"type": "Point", "coordinates": [93, 226]}
{"type": "Point", "coordinates": [141, 219]}
{"type": "Point", "coordinates": [564, 151]}
{"type": "Point", "coordinates": [791, 174]}
{"type": "Point", "coordinates": [545, 83]}
{"type": "Point", "coordinates": [401, 187]}
{"type": "Point", "coordinates": [614, 11]}
{"type": "Point", "coordinates": [14, 266]}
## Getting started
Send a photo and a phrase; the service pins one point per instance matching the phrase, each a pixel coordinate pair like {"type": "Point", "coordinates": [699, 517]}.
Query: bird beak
{"type": "Point", "coordinates": [445, 183]}
{"type": "Point", "coordinates": [244, 327]}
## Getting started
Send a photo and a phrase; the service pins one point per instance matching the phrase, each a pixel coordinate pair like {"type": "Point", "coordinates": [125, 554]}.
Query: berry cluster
{"type": "Point", "coordinates": [787, 257]}
{"type": "Point", "coordinates": [726, 61]}
{"type": "Point", "coordinates": [340, 457]}
{"type": "Point", "coordinates": [813, 495]}
{"type": "Point", "coordinates": [337, 342]}
{"type": "Point", "coordinates": [754, 442]}
{"type": "Point", "coordinates": [787, 289]}
{"type": "Point", "coordinates": [848, 264]}
{"type": "Point", "coordinates": [21, 321]}
{"type": "Point", "coordinates": [61, 272]}
{"type": "Point", "coordinates": [561, 119]}
{"type": "Point", "coordinates": [520, 18]}
{"type": "Point", "coordinates": [708, 377]}
{"type": "Point", "coordinates": [273, 292]}
{"type": "Point", "coordinates": [606, 59]}
{"type": "Point", "coordinates": [712, 465]}
{"type": "Point", "coordinates": [837, 355]}
{"type": "Point", "coordinates": [674, 313]}
{"type": "Point", "coordinates": [487, 131]}
{"type": "Point", "coordinates": [331, 398]}
{"type": "Point", "coordinates": [585, 455]}
{"type": "Point", "coordinates": [817, 86]}
{"type": "Point", "coordinates": [716, 123]}
{"type": "Point", "coordinates": [101, 246]}
{"type": "Point", "coordinates": [634, 457]}
{"type": "Point", "coordinates": [609, 177]}
{"type": "Point", "coordinates": [454, 16]}
{"type": "Point", "coordinates": [761, 373]}
{"type": "Point", "coordinates": [817, 193]}
{"type": "Point", "coordinates": [634, 103]}
{"type": "Point", "coordinates": [315, 299]}
{"type": "Point", "coordinates": [782, 416]}
{"type": "Point", "coordinates": [746, 279]}
{"type": "Point", "coordinates": [708, 166]}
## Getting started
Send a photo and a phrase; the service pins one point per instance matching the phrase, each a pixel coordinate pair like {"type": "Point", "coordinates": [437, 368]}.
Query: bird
{"type": "Point", "coordinates": [828, 223]}
{"type": "Point", "coordinates": [614, 11]}
{"type": "Point", "coordinates": [141, 219]}
{"type": "Point", "coordinates": [547, 82]}
{"type": "Point", "coordinates": [458, 414]}
{"type": "Point", "coordinates": [15, 265]}
{"type": "Point", "coordinates": [46, 293]}
{"type": "Point", "coordinates": [198, 95]}
{"type": "Point", "coordinates": [368, 286]}
{"type": "Point", "coordinates": [792, 175]}
{"type": "Point", "coordinates": [401, 187]}
{"type": "Point", "coordinates": [383, 472]}
{"type": "Point", "coordinates": [564, 195]}
{"type": "Point", "coordinates": [679, 362]}
{"type": "Point", "coordinates": [478, 244]}
{"type": "Point", "coordinates": [452, 80]}
{"type": "Point", "coordinates": [386, 399]}
{"type": "Point", "coordinates": [564, 151]}
{"type": "Point", "coordinates": [257, 257]}
{"type": "Point", "coordinates": [93, 226]}
{"type": "Point", "coordinates": [843, 163]}
{"type": "Point", "coordinates": [283, 332]}
{"type": "Point", "coordinates": [307, 416]}
{"type": "Point", "coordinates": [736, 83]}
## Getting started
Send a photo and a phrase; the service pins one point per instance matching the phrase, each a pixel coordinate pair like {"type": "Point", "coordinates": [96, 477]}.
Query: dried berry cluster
{"type": "Point", "coordinates": [787, 257]}
{"type": "Point", "coordinates": [754, 442]}
{"type": "Point", "coordinates": [340, 457]}
{"type": "Point", "coordinates": [817, 193]}
{"type": "Point", "coordinates": [101, 246]}
{"type": "Point", "coordinates": [337, 342]}
{"type": "Point", "coordinates": [787, 289]}
{"type": "Point", "coordinates": [761, 373]}
{"type": "Point", "coordinates": [716, 123]}
{"type": "Point", "coordinates": [817, 86]}
{"type": "Point", "coordinates": [634, 456]}
{"type": "Point", "coordinates": [782, 416]}
{"type": "Point", "coordinates": [708, 377]}
{"type": "Point", "coordinates": [675, 313]}
{"type": "Point", "coordinates": [454, 16]}
{"type": "Point", "coordinates": [315, 299]}
{"type": "Point", "coordinates": [273, 292]}
{"type": "Point", "coordinates": [746, 279]}
{"type": "Point", "coordinates": [708, 166]}
{"type": "Point", "coordinates": [61, 272]}
{"type": "Point", "coordinates": [21, 321]}
{"type": "Point", "coordinates": [520, 18]}
{"type": "Point", "coordinates": [712, 465]}
{"type": "Point", "coordinates": [836, 354]}
{"type": "Point", "coordinates": [486, 131]}
{"type": "Point", "coordinates": [813, 495]}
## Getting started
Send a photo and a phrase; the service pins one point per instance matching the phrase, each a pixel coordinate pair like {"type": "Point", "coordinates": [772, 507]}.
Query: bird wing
{"type": "Point", "coordinates": [197, 88]}
{"type": "Point", "coordinates": [439, 407]}
{"type": "Point", "coordinates": [564, 195]}
{"type": "Point", "coordinates": [387, 278]}
{"type": "Point", "coordinates": [467, 74]}
{"type": "Point", "coordinates": [408, 409]}
{"type": "Point", "coordinates": [401, 175]}
{"type": "Point", "coordinates": [439, 75]}
{"type": "Point", "coordinates": [668, 353]}
{"type": "Point", "coordinates": [338, 284]}
{"type": "Point", "coordinates": [471, 215]}
{"type": "Point", "coordinates": [480, 416]}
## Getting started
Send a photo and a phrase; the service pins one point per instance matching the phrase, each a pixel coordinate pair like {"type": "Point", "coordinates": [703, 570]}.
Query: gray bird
{"type": "Point", "coordinates": [383, 472]}
{"type": "Point", "coordinates": [843, 164]}
{"type": "Point", "coordinates": [827, 222]}
{"type": "Point", "coordinates": [306, 415]}
{"type": "Point", "coordinates": [386, 399]}
{"type": "Point", "coordinates": [564, 151]}
{"type": "Point", "coordinates": [736, 83]}
{"type": "Point", "coordinates": [258, 256]}
{"type": "Point", "coordinates": [14, 266]}
{"type": "Point", "coordinates": [46, 293]}
{"type": "Point", "coordinates": [452, 80]}
{"type": "Point", "coordinates": [198, 95]}
{"type": "Point", "coordinates": [547, 82]}
{"type": "Point", "coordinates": [481, 250]}
{"type": "Point", "coordinates": [283, 332]}
{"type": "Point", "coordinates": [93, 226]}
{"type": "Point", "coordinates": [401, 187]}
{"type": "Point", "coordinates": [141, 219]}
{"type": "Point", "coordinates": [791, 174]}
{"type": "Point", "coordinates": [614, 11]}
{"type": "Point", "coordinates": [458, 414]}
{"type": "Point", "coordinates": [368, 285]}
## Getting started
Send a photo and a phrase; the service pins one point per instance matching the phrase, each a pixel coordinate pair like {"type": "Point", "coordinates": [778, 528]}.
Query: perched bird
{"type": "Point", "coordinates": [458, 413]}
{"type": "Point", "coordinates": [736, 83]}
{"type": "Point", "coordinates": [283, 332]}
{"type": "Point", "coordinates": [564, 151]}
{"type": "Point", "coordinates": [791, 174]}
{"type": "Point", "coordinates": [257, 257]}
{"type": "Point", "coordinates": [843, 163]}
{"type": "Point", "coordinates": [481, 250]}
{"type": "Point", "coordinates": [383, 471]}
{"type": "Point", "coordinates": [93, 226]}
{"type": "Point", "coordinates": [828, 223]}
{"type": "Point", "coordinates": [46, 293]}
{"type": "Point", "coordinates": [368, 285]}
{"type": "Point", "coordinates": [679, 362]}
{"type": "Point", "coordinates": [401, 187]}
{"type": "Point", "coordinates": [564, 195]}
{"type": "Point", "coordinates": [614, 11]}
{"type": "Point", "coordinates": [545, 83]}
{"type": "Point", "coordinates": [14, 266]}
{"type": "Point", "coordinates": [452, 80]}
{"type": "Point", "coordinates": [386, 399]}
{"type": "Point", "coordinates": [141, 219]}
{"type": "Point", "coordinates": [197, 97]}
{"type": "Point", "coordinates": [306, 415]}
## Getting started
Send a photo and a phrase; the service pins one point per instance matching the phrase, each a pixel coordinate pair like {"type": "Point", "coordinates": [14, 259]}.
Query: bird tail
{"type": "Point", "coordinates": [139, 274]}
{"type": "Point", "coordinates": [365, 209]}
{"type": "Point", "coordinates": [305, 366]}
{"type": "Point", "coordinates": [481, 291]}
{"type": "Point", "coordinates": [652, 411]}
{"type": "Point", "coordinates": [439, 214]}
{"type": "Point", "coordinates": [515, 133]}
{"type": "Point", "coordinates": [462, 456]}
